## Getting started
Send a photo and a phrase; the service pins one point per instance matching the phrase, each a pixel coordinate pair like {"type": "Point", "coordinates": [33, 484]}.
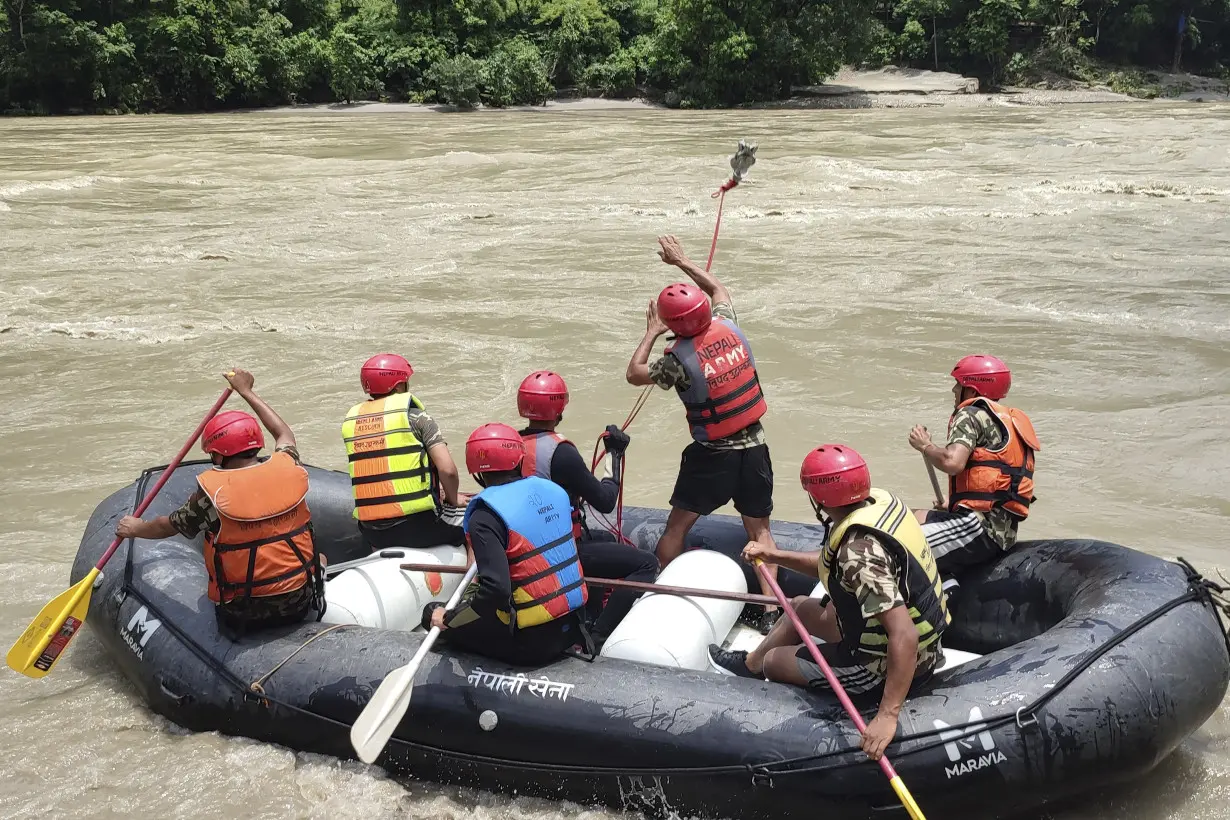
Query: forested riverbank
{"type": "Point", "coordinates": [64, 56]}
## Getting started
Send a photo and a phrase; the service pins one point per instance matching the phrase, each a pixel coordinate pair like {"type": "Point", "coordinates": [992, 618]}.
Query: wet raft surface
{"type": "Point", "coordinates": [1047, 712]}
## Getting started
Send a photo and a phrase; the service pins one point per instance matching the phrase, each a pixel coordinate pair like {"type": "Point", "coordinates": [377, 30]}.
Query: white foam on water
{"type": "Point", "coordinates": [19, 189]}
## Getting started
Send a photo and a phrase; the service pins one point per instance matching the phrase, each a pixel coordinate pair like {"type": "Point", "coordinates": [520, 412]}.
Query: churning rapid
{"type": "Point", "coordinates": [866, 253]}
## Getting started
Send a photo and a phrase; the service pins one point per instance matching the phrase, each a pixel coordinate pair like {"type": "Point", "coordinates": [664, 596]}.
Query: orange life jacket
{"type": "Point", "coordinates": [723, 395]}
{"type": "Point", "coordinates": [264, 542]}
{"type": "Point", "coordinates": [540, 446]}
{"type": "Point", "coordinates": [1003, 477]}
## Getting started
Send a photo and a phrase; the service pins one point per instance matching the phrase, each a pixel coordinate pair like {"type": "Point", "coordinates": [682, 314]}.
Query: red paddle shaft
{"type": "Point", "coordinates": [838, 690]}
{"type": "Point", "coordinates": [166, 473]}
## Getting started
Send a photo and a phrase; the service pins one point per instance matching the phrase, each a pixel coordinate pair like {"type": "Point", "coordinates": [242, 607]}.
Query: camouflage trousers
{"type": "Point", "coordinates": [242, 615]}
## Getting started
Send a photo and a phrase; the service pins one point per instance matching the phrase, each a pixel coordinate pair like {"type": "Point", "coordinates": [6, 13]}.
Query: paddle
{"type": "Point", "coordinates": [935, 484]}
{"type": "Point", "coordinates": [41, 645]}
{"type": "Point", "coordinates": [903, 794]}
{"type": "Point", "coordinates": [334, 569]}
{"type": "Point", "coordinates": [643, 586]}
{"type": "Point", "coordinates": [388, 706]}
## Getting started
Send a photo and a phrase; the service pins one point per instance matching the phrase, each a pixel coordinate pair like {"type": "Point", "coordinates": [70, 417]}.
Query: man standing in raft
{"type": "Point", "coordinates": [396, 455]}
{"type": "Point", "coordinates": [990, 457]}
{"type": "Point", "coordinates": [259, 553]}
{"type": "Point", "coordinates": [541, 400]}
{"type": "Point", "coordinates": [524, 606]}
{"type": "Point", "coordinates": [881, 629]}
{"type": "Point", "coordinates": [711, 367]}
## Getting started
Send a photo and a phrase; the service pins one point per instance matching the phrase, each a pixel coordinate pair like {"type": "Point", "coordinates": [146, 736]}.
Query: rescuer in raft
{"type": "Point", "coordinates": [259, 553]}
{"type": "Point", "coordinates": [710, 365]}
{"type": "Point", "coordinates": [524, 608]}
{"type": "Point", "coordinates": [990, 458]}
{"type": "Point", "coordinates": [541, 400]}
{"type": "Point", "coordinates": [881, 627]}
{"type": "Point", "coordinates": [399, 463]}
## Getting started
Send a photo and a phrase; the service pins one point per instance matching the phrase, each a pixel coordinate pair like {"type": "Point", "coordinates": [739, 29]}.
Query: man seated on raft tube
{"type": "Point", "coordinates": [524, 607]}
{"type": "Point", "coordinates": [990, 461]}
{"type": "Point", "coordinates": [541, 400]}
{"type": "Point", "coordinates": [259, 552]}
{"type": "Point", "coordinates": [881, 627]}
{"type": "Point", "coordinates": [711, 366]}
{"type": "Point", "coordinates": [399, 463]}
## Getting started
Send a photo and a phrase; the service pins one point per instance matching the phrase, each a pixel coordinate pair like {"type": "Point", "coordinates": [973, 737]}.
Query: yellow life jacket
{"type": "Point", "coordinates": [918, 580]}
{"type": "Point", "coordinates": [390, 475]}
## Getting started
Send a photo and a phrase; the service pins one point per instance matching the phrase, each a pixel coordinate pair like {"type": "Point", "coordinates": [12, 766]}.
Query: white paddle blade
{"type": "Point", "coordinates": [378, 720]}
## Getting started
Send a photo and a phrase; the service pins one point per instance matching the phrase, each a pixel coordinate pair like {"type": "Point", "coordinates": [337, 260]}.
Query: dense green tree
{"type": "Point", "coordinates": [515, 74]}
{"type": "Point", "coordinates": [352, 67]}
{"type": "Point", "coordinates": [716, 53]}
{"type": "Point", "coordinates": [174, 55]}
{"type": "Point", "coordinates": [455, 80]}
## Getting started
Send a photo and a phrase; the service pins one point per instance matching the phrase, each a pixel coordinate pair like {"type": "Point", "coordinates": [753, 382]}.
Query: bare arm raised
{"type": "Point", "coordinates": [638, 367]}
{"type": "Point", "coordinates": [672, 254]}
{"type": "Point", "coordinates": [242, 382]}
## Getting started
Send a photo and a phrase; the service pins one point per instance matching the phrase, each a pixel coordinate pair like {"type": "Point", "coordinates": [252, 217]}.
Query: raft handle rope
{"type": "Point", "coordinates": [1200, 590]}
{"type": "Point", "coordinates": [740, 163]}
{"type": "Point", "coordinates": [256, 686]}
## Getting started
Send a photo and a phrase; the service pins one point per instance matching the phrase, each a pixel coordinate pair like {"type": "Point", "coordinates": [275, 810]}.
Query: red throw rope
{"type": "Point", "coordinates": [617, 529]}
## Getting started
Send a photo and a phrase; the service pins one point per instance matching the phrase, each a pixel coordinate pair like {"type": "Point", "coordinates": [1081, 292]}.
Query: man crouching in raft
{"type": "Point", "coordinates": [259, 552]}
{"type": "Point", "coordinates": [881, 629]}
{"type": "Point", "coordinates": [711, 367]}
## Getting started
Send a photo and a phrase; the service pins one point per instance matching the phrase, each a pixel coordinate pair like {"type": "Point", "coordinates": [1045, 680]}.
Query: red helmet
{"type": "Point", "coordinates": [685, 309]}
{"type": "Point", "coordinates": [232, 432]}
{"type": "Point", "coordinates": [985, 375]}
{"type": "Point", "coordinates": [542, 396]}
{"type": "Point", "coordinates": [834, 475]}
{"type": "Point", "coordinates": [383, 372]}
{"type": "Point", "coordinates": [494, 448]}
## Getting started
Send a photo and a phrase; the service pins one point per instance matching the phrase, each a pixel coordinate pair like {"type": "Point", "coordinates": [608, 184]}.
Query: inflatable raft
{"type": "Point", "coordinates": [1097, 661]}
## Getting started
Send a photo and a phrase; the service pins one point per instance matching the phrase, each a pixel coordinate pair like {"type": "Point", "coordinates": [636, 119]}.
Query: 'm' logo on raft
{"type": "Point", "coordinates": [141, 627]}
{"type": "Point", "coordinates": [962, 741]}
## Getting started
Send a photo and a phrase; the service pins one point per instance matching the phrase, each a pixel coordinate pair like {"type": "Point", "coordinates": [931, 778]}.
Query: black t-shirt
{"type": "Point", "coordinates": [488, 538]}
{"type": "Point", "coordinates": [569, 470]}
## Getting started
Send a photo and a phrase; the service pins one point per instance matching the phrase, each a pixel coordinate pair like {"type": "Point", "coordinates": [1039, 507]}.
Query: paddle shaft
{"type": "Point", "coordinates": [935, 482]}
{"type": "Point", "coordinates": [838, 689]}
{"type": "Point", "coordinates": [434, 633]}
{"type": "Point", "coordinates": [334, 569]}
{"type": "Point", "coordinates": [615, 583]}
{"type": "Point", "coordinates": [166, 474]}
{"type": "Point", "coordinates": [45, 639]}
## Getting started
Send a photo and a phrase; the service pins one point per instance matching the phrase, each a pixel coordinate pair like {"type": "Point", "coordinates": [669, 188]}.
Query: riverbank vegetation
{"type": "Point", "coordinates": [191, 55]}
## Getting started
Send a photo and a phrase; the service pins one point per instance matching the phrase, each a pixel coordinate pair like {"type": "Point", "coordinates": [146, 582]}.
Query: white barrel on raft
{"type": "Point", "coordinates": [381, 594]}
{"type": "Point", "coordinates": [671, 630]}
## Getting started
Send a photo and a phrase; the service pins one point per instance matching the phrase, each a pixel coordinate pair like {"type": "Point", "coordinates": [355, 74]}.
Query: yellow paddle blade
{"type": "Point", "coordinates": [907, 799]}
{"type": "Point", "coordinates": [41, 645]}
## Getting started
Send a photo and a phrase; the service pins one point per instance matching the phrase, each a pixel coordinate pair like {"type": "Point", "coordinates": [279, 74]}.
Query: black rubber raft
{"type": "Point", "coordinates": [1099, 660]}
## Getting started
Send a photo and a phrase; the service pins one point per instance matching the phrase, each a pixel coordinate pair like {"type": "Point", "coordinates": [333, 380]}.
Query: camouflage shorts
{"type": "Point", "coordinates": [248, 614]}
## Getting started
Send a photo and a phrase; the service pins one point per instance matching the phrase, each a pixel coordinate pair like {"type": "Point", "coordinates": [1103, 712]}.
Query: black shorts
{"type": "Point", "coordinates": [417, 531]}
{"type": "Point", "coordinates": [532, 646]}
{"type": "Point", "coordinates": [850, 670]}
{"type": "Point", "coordinates": [958, 540]}
{"type": "Point", "coordinates": [710, 478]}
